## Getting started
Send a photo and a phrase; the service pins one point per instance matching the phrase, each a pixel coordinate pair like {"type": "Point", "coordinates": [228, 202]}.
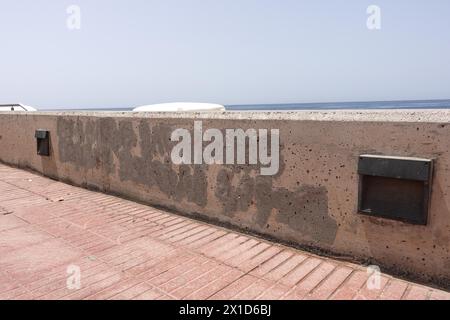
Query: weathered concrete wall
{"type": "Point", "coordinates": [311, 202]}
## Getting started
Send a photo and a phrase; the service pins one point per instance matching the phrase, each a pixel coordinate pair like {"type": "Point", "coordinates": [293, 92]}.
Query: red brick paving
{"type": "Point", "coordinates": [130, 251]}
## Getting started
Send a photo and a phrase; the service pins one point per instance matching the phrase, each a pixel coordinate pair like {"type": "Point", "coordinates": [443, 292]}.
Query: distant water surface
{"type": "Point", "coordinates": [423, 104]}
{"type": "Point", "coordinates": [417, 104]}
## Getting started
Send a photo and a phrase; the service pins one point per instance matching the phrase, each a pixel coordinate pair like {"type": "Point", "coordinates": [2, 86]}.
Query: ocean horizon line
{"type": "Point", "coordinates": [350, 105]}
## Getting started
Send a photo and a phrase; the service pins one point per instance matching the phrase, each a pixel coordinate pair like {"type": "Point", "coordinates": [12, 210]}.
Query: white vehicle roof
{"type": "Point", "coordinates": [180, 107]}
{"type": "Point", "coordinates": [16, 107]}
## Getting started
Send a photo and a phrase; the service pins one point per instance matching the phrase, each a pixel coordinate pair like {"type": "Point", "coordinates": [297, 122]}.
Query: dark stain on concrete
{"type": "Point", "coordinates": [234, 199]}
{"type": "Point", "coordinates": [89, 144]}
{"type": "Point", "coordinates": [109, 145]}
{"type": "Point", "coordinates": [76, 142]}
{"type": "Point", "coordinates": [304, 209]}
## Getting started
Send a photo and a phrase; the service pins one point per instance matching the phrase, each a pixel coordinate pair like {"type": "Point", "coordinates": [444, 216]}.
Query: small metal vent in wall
{"type": "Point", "coordinates": [397, 188]}
{"type": "Point", "coordinates": [43, 142]}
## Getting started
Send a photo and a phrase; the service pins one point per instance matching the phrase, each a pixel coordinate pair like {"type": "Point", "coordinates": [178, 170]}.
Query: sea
{"type": "Point", "coordinates": [417, 104]}
{"type": "Point", "coordinates": [371, 105]}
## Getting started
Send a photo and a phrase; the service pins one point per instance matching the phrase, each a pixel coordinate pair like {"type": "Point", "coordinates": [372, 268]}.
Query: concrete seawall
{"type": "Point", "coordinates": [311, 202]}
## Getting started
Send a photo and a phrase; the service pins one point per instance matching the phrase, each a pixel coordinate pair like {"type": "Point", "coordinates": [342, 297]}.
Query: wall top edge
{"type": "Point", "coordinates": [405, 115]}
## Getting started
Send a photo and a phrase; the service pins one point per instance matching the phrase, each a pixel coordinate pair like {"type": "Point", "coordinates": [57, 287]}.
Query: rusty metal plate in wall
{"type": "Point", "coordinates": [395, 188]}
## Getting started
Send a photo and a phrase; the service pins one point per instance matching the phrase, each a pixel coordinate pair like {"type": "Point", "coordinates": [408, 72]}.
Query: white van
{"type": "Point", "coordinates": [15, 107]}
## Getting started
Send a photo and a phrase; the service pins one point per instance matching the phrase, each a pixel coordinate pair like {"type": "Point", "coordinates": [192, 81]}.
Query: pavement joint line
{"type": "Point", "coordinates": [406, 292]}
{"type": "Point", "coordinates": [346, 280]}
{"type": "Point", "coordinates": [294, 287]}
{"type": "Point", "coordinates": [335, 267]}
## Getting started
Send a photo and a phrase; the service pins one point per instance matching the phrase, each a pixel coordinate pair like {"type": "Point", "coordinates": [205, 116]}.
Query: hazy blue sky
{"type": "Point", "coordinates": [130, 53]}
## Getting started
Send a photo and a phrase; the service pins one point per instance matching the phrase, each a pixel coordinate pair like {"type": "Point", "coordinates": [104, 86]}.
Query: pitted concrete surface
{"type": "Point", "coordinates": [125, 250]}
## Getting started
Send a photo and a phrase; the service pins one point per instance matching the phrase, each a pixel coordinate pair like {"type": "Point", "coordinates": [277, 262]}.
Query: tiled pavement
{"type": "Point", "coordinates": [125, 250]}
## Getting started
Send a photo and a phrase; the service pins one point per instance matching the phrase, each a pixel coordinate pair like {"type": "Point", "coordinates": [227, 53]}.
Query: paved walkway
{"type": "Point", "coordinates": [50, 230]}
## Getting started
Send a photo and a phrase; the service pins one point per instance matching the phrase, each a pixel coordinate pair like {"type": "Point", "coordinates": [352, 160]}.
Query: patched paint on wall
{"type": "Point", "coordinates": [302, 209]}
{"type": "Point", "coordinates": [102, 141]}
